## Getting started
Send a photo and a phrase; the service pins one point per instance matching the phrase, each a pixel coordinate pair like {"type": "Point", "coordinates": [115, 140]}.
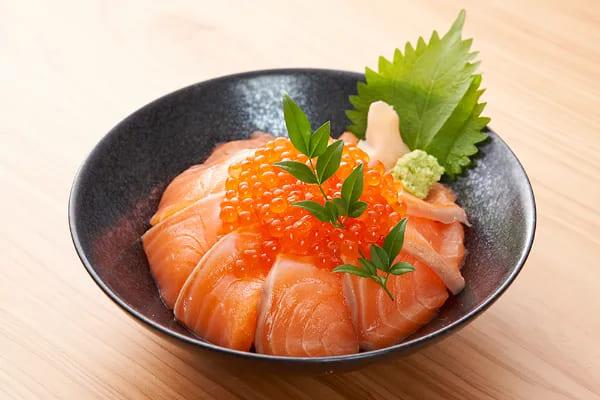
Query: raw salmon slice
{"type": "Point", "coordinates": [174, 246]}
{"type": "Point", "coordinates": [436, 238]}
{"type": "Point", "coordinates": [303, 312]}
{"type": "Point", "coordinates": [438, 206]}
{"type": "Point", "coordinates": [201, 180]}
{"type": "Point", "coordinates": [426, 241]}
{"type": "Point", "coordinates": [224, 151]}
{"type": "Point", "coordinates": [380, 321]}
{"type": "Point", "coordinates": [193, 184]}
{"type": "Point", "coordinates": [219, 301]}
{"type": "Point", "coordinates": [440, 194]}
{"type": "Point", "coordinates": [446, 239]}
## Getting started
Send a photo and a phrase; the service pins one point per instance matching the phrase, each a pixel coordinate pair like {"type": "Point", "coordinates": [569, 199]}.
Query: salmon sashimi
{"type": "Point", "coordinates": [219, 301]}
{"type": "Point", "coordinates": [244, 268]}
{"type": "Point", "coordinates": [423, 241]}
{"type": "Point", "coordinates": [438, 206]}
{"type": "Point", "coordinates": [440, 194]}
{"type": "Point", "coordinates": [201, 180]}
{"type": "Point", "coordinates": [174, 246]}
{"type": "Point", "coordinates": [440, 244]}
{"type": "Point", "coordinates": [380, 321]}
{"type": "Point", "coordinates": [224, 151]}
{"type": "Point", "coordinates": [190, 186]}
{"type": "Point", "coordinates": [303, 312]}
{"type": "Point", "coordinates": [446, 239]}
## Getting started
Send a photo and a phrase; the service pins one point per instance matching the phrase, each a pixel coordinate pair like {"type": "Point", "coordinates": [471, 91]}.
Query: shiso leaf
{"type": "Point", "coordinates": [435, 91]}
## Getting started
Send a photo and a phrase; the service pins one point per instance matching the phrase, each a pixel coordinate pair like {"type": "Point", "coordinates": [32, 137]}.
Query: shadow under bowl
{"type": "Point", "coordinates": [119, 185]}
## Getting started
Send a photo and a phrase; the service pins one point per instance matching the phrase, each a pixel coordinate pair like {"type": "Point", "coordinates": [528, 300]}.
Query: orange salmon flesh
{"type": "Point", "coordinates": [245, 285]}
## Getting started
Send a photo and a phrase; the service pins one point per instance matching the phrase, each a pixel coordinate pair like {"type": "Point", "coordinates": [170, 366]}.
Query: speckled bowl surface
{"type": "Point", "coordinates": [119, 185]}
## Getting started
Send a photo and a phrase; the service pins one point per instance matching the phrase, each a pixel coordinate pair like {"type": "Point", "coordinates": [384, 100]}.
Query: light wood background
{"type": "Point", "coordinates": [69, 71]}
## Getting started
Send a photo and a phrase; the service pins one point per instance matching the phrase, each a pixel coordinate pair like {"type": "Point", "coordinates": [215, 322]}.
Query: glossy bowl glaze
{"type": "Point", "coordinates": [119, 185]}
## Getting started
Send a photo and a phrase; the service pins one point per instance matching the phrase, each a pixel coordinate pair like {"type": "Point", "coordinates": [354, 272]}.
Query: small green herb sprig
{"type": "Point", "coordinates": [328, 156]}
{"type": "Point", "coordinates": [381, 264]}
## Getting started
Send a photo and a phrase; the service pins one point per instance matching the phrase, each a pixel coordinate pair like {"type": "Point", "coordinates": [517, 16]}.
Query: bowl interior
{"type": "Point", "coordinates": [119, 186]}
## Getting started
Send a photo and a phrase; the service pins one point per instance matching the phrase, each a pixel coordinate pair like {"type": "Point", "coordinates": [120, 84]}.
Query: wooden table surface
{"type": "Point", "coordinates": [69, 71]}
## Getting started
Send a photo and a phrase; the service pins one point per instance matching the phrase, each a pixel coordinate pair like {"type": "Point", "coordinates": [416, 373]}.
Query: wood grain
{"type": "Point", "coordinates": [70, 70]}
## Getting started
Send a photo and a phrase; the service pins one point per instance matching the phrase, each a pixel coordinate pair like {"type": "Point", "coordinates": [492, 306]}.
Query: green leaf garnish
{"type": "Point", "coordinates": [341, 205]}
{"type": "Point", "coordinates": [394, 240]}
{"type": "Point", "coordinates": [401, 268]}
{"type": "Point", "coordinates": [315, 209]}
{"type": "Point", "coordinates": [332, 209]}
{"type": "Point", "coordinates": [329, 161]}
{"type": "Point", "coordinates": [435, 91]}
{"type": "Point", "coordinates": [351, 269]}
{"type": "Point", "coordinates": [297, 125]}
{"type": "Point", "coordinates": [380, 267]}
{"type": "Point", "coordinates": [380, 257]}
{"type": "Point", "coordinates": [319, 140]}
{"type": "Point", "coordinates": [298, 170]}
{"type": "Point", "coordinates": [455, 142]}
{"type": "Point", "coordinates": [313, 145]}
{"type": "Point", "coordinates": [353, 185]}
{"type": "Point", "coordinates": [357, 209]}
{"type": "Point", "coordinates": [368, 266]}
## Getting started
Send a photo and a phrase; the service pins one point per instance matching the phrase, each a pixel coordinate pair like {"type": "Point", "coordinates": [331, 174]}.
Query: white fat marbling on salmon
{"type": "Point", "coordinates": [219, 302]}
{"type": "Point", "coordinates": [303, 312]}
{"type": "Point", "coordinates": [203, 179]}
{"type": "Point", "coordinates": [174, 246]}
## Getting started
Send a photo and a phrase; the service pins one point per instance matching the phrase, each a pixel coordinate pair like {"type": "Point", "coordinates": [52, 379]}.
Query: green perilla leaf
{"type": "Point", "coordinates": [435, 91]}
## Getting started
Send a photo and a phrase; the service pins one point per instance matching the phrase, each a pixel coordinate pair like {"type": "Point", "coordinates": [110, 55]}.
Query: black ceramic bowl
{"type": "Point", "coordinates": [119, 185]}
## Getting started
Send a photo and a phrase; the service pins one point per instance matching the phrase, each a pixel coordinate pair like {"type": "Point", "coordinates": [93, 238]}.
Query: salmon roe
{"type": "Point", "coordinates": [261, 194]}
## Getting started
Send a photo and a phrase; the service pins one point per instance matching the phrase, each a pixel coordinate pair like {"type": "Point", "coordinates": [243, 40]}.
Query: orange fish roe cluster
{"type": "Point", "coordinates": [259, 193]}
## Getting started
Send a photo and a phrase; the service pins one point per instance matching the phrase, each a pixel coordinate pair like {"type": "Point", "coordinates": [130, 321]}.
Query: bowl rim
{"type": "Point", "coordinates": [409, 344]}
